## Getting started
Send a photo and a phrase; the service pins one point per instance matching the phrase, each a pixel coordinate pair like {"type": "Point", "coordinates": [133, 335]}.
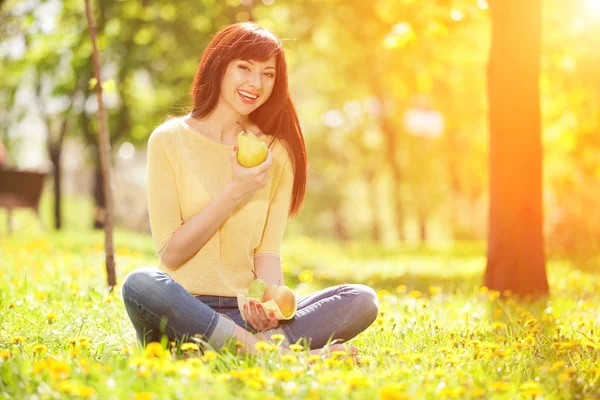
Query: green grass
{"type": "Point", "coordinates": [439, 335]}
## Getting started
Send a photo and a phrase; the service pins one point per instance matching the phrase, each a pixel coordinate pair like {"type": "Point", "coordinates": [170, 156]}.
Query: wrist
{"type": "Point", "coordinates": [232, 193]}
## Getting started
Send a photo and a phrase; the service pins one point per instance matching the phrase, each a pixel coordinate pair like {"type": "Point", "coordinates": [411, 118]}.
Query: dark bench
{"type": "Point", "coordinates": [20, 189]}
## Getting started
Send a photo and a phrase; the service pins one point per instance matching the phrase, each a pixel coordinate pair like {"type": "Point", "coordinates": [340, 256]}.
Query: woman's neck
{"type": "Point", "coordinates": [222, 124]}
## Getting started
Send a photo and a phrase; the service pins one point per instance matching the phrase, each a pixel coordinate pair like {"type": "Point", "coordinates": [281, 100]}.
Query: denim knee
{"type": "Point", "coordinates": [366, 303]}
{"type": "Point", "coordinates": [140, 280]}
{"type": "Point", "coordinates": [142, 285]}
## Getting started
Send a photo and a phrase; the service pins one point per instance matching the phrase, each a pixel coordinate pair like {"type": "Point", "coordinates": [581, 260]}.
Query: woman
{"type": "Point", "coordinates": [217, 225]}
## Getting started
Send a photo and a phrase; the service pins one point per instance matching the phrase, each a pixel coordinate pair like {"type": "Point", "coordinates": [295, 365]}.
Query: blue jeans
{"type": "Point", "coordinates": [157, 305]}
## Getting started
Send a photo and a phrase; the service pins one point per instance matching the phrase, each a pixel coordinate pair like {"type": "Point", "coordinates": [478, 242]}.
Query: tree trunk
{"type": "Point", "coordinates": [99, 199]}
{"type": "Point", "coordinates": [376, 232]}
{"type": "Point", "coordinates": [55, 157]}
{"type": "Point", "coordinates": [104, 141]}
{"type": "Point", "coordinates": [392, 156]}
{"type": "Point", "coordinates": [516, 259]}
{"type": "Point", "coordinates": [339, 226]}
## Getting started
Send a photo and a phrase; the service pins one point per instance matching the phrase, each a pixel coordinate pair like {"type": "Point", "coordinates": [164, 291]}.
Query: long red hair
{"type": "Point", "coordinates": [277, 117]}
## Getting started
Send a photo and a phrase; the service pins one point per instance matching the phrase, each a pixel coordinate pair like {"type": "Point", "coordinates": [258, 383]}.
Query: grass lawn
{"type": "Point", "coordinates": [439, 334]}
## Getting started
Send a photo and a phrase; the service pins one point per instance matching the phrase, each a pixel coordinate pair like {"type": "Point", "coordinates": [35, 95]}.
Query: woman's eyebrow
{"type": "Point", "coordinates": [252, 62]}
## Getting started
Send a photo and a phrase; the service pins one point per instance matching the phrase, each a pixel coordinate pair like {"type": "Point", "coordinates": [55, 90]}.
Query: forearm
{"type": "Point", "coordinates": [268, 268]}
{"type": "Point", "coordinates": [194, 234]}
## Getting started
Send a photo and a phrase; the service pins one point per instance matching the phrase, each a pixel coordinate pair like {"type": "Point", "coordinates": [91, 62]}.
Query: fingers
{"type": "Point", "coordinates": [259, 318]}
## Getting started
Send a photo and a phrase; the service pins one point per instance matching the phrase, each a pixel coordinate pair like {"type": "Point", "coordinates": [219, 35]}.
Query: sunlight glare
{"type": "Point", "coordinates": [594, 6]}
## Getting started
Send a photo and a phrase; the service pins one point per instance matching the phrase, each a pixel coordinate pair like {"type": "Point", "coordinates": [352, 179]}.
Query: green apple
{"type": "Point", "coordinates": [250, 150]}
{"type": "Point", "coordinates": [257, 289]}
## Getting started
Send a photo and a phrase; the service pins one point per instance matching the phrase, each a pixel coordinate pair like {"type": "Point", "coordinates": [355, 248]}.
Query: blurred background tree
{"type": "Point", "coordinates": [391, 95]}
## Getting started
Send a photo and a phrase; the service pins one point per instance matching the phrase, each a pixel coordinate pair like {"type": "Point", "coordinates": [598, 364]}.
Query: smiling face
{"type": "Point", "coordinates": [247, 84]}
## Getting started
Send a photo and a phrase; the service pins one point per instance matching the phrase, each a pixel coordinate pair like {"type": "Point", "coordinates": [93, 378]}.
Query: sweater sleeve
{"type": "Point", "coordinates": [163, 194]}
{"type": "Point", "coordinates": [277, 214]}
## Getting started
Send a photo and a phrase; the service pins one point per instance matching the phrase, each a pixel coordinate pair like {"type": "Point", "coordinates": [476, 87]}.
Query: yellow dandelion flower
{"type": "Point", "coordinates": [65, 386]}
{"type": "Point", "coordinates": [518, 346]}
{"type": "Point", "coordinates": [263, 346]}
{"type": "Point", "coordinates": [282, 375]}
{"type": "Point", "coordinates": [393, 392]}
{"type": "Point", "coordinates": [314, 358]}
{"type": "Point", "coordinates": [254, 384]}
{"type": "Point", "coordinates": [338, 353]}
{"type": "Point", "coordinates": [289, 358]}
{"type": "Point", "coordinates": [499, 386]}
{"type": "Point", "coordinates": [531, 322]}
{"type": "Point", "coordinates": [306, 276]}
{"type": "Point", "coordinates": [189, 347]}
{"type": "Point", "coordinates": [498, 326]}
{"type": "Point", "coordinates": [493, 294]}
{"type": "Point", "coordinates": [530, 340]}
{"type": "Point", "coordinates": [433, 290]}
{"type": "Point", "coordinates": [83, 391]}
{"type": "Point", "coordinates": [277, 337]}
{"type": "Point", "coordinates": [156, 351]}
{"type": "Point", "coordinates": [531, 388]}
{"type": "Point", "coordinates": [59, 369]}
{"type": "Point", "coordinates": [296, 347]}
{"type": "Point", "coordinates": [415, 294]}
{"type": "Point", "coordinates": [210, 355]}
{"type": "Point", "coordinates": [332, 362]}
{"type": "Point", "coordinates": [5, 354]}
{"type": "Point", "coordinates": [479, 392]}
{"type": "Point", "coordinates": [39, 348]}
{"type": "Point", "coordinates": [401, 289]}
{"type": "Point", "coordinates": [143, 396]}
{"type": "Point", "coordinates": [17, 339]}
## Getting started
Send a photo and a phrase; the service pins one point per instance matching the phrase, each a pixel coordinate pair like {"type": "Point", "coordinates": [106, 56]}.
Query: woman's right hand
{"type": "Point", "coordinates": [249, 180]}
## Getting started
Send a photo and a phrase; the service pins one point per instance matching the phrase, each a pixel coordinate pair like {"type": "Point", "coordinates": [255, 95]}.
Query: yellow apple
{"type": "Point", "coordinates": [283, 296]}
{"type": "Point", "coordinates": [250, 150]}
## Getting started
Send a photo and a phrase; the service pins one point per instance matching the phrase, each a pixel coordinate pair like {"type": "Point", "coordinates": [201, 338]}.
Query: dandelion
{"type": "Point", "coordinates": [401, 289]}
{"type": "Point", "coordinates": [531, 388]}
{"type": "Point", "coordinates": [478, 392]}
{"type": "Point", "coordinates": [189, 347]}
{"type": "Point", "coordinates": [393, 392]}
{"type": "Point", "coordinates": [433, 290]}
{"type": "Point", "coordinates": [209, 355]}
{"type": "Point", "coordinates": [498, 326]}
{"type": "Point", "coordinates": [39, 348]}
{"type": "Point", "coordinates": [143, 396]}
{"type": "Point", "coordinates": [263, 346]}
{"type": "Point", "coordinates": [296, 347]}
{"type": "Point", "coordinates": [154, 350]}
{"type": "Point", "coordinates": [283, 375]}
{"type": "Point", "coordinates": [5, 354]}
{"type": "Point", "coordinates": [17, 339]}
{"type": "Point", "coordinates": [499, 386]}
{"type": "Point", "coordinates": [289, 358]}
{"type": "Point", "coordinates": [277, 337]}
{"type": "Point", "coordinates": [306, 276]}
{"type": "Point", "coordinates": [415, 294]}
{"type": "Point", "coordinates": [530, 340]}
{"type": "Point", "coordinates": [83, 391]}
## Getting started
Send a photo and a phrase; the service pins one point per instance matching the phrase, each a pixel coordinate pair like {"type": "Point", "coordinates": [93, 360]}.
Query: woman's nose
{"type": "Point", "coordinates": [255, 81]}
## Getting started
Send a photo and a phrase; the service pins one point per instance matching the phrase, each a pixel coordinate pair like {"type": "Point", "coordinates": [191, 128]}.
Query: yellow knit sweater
{"type": "Point", "coordinates": [185, 170]}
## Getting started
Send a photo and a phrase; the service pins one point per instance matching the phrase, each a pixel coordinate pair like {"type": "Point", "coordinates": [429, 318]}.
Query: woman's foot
{"type": "Point", "coordinates": [351, 349]}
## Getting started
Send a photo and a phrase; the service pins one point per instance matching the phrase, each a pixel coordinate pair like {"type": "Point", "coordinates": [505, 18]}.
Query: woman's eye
{"type": "Point", "coordinates": [244, 67]}
{"type": "Point", "coordinates": [270, 75]}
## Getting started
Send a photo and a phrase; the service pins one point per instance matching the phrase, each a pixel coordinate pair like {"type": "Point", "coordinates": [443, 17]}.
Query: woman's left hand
{"type": "Point", "coordinates": [259, 318]}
